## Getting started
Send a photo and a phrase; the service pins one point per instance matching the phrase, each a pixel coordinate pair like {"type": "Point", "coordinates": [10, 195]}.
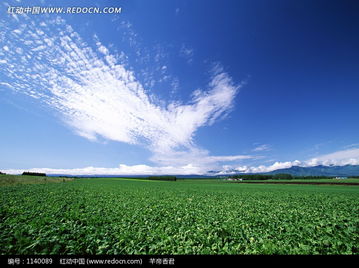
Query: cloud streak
{"type": "Point", "coordinates": [98, 96]}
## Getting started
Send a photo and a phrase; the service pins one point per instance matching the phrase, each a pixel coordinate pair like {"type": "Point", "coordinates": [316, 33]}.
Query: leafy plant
{"type": "Point", "coordinates": [115, 216]}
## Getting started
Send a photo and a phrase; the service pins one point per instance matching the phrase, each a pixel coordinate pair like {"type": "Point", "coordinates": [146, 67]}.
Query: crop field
{"type": "Point", "coordinates": [129, 216]}
{"type": "Point", "coordinates": [6, 180]}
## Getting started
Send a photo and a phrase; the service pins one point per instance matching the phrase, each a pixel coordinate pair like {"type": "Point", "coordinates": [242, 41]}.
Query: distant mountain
{"type": "Point", "coordinates": [347, 171]}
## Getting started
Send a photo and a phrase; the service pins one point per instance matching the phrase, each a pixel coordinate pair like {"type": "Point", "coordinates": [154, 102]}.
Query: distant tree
{"type": "Point", "coordinates": [163, 178]}
{"type": "Point", "coordinates": [252, 176]}
{"type": "Point", "coordinates": [33, 174]}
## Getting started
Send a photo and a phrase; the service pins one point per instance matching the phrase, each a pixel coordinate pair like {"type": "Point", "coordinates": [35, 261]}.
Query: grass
{"type": "Point", "coordinates": [128, 216]}
{"type": "Point", "coordinates": [7, 180]}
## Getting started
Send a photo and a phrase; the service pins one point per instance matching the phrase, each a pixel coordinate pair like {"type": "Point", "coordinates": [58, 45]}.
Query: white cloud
{"type": "Point", "coordinates": [17, 31]}
{"type": "Point", "coordinates": [6, 84]}
{"type": "Point", "coordinates": [263, 168]}
{"type": "Point", "coordinates": [19, 50]}
{"type": "Point", "coordinates": [261, 148]}
{"type": "Point", "coordinates": [344, 157]}
{"type": "Point", "coordinates": [101, 98]}
{"type": "Point", "coordinates": [339, 158]}
{"type": "Point", "coordinates": [102, 48]}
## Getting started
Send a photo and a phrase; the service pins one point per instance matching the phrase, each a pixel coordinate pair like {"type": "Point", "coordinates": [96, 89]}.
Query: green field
{"type": "Point", "coordinates": [128, 216]}
{"type": "Point", "coordinates": [6, 180]}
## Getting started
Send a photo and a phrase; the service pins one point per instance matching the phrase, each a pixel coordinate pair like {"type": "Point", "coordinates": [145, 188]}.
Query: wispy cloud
{"type": "Point", "coordinates": [187, 53]}
{"type": "Point", "coordinates": [261, 148]}
{"type": "Point", "coordinates": [98, 96]}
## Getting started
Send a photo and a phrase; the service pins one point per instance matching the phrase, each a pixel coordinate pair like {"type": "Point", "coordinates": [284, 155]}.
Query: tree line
{"type": "Point", "coordinates": [163, 178]}
{"type": "Point", "coordinates": [33, 174]}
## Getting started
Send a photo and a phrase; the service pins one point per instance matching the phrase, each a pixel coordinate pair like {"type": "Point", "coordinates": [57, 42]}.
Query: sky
{"type": "Point", "coordinates": [178, 87]}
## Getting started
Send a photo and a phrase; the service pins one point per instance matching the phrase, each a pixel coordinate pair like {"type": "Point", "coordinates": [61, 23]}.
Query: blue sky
{"type": "Point", "coordinates": [179, 87]}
